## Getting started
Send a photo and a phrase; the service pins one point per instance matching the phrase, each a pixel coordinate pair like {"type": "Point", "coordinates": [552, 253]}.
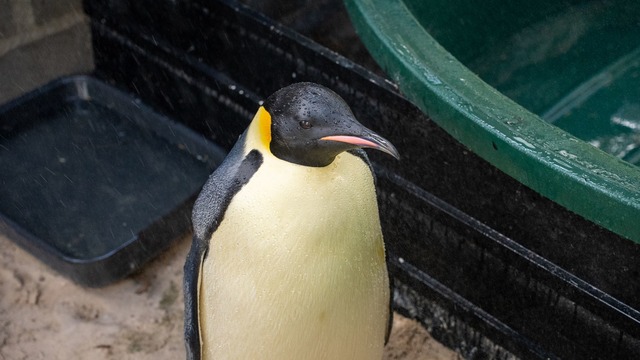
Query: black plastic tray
{"type": "Point", "coordinates": [94, 182]}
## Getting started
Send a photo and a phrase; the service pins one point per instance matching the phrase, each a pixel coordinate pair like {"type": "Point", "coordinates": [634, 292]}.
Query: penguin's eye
{"type": "Point", "coordinates": [305, 124]}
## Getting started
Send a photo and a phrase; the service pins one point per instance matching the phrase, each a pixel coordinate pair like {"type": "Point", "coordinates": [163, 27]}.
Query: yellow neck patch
{"type": "Point", "coordinates": [262, 122]}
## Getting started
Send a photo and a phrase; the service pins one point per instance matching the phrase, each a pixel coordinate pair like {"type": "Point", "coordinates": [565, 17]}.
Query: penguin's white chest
{"type": "Point", "coordinates": [296, 269]}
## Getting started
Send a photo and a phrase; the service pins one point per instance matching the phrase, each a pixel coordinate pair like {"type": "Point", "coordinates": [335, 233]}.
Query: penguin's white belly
{"type": "Point", "coordinates": [296, 269]}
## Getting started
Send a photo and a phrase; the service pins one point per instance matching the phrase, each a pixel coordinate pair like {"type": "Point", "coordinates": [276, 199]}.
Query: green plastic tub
{"type": "Point", "coordinates": [547, 91]}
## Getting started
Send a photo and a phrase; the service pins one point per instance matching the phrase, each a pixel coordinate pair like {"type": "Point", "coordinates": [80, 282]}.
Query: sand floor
{"type": "Point", "coordinates": [45, 316]}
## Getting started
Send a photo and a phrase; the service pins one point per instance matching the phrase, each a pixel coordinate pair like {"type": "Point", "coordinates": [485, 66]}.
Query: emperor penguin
{"type": "Point", "coordinates": [287, 260]}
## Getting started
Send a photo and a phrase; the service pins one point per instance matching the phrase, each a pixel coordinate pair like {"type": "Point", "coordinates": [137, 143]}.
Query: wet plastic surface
{"type": "Point", "coordinates": [576, 65]}
{"type": "Point", "coordinates": [609, 103]}
{"type": "Point", "coordinates": [573, 64]}
{"type": "Point", "coordinates": [88, 169]}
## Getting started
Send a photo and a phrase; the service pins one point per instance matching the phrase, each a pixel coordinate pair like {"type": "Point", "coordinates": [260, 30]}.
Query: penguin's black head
{"type": "Point", "coordinates": [311, 125]}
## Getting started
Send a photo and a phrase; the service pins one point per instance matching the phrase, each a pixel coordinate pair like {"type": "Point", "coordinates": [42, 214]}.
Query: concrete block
{"type": "Point", "coordinates": [7, 25]}
{"type": "Point", "coordinates": [46, 10]}
{"type": "Point", "coordinates": [31, 65]}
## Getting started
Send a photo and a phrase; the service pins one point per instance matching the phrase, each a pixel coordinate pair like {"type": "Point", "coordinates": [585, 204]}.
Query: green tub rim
{"type": "Point", "coordinates": [572, 173]}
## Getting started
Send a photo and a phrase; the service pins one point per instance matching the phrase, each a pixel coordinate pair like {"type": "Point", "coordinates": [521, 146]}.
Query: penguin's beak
{"type": "Point", "coordinates": [369, 140]}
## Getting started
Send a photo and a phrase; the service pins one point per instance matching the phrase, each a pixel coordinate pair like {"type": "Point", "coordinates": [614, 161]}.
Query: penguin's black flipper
{"type": "Point", "coordinates": [363, 155]}
{"type": "Point", "coordinates": [387, 335]}
{"type": "Point", "coordinates": [191, 274]}
{"type": "Point", "coordinates": [208, 211]}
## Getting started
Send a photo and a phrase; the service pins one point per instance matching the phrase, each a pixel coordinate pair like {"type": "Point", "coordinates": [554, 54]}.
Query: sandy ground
{"type": "Point", "coordinates": [45, 316]}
